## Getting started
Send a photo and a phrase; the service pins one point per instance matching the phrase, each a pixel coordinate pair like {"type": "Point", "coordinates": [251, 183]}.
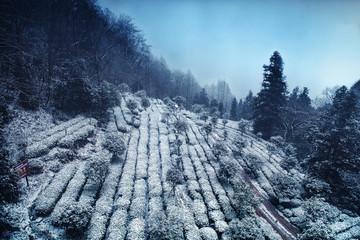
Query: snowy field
{"type": "Point", "coordinates": [131, 198]}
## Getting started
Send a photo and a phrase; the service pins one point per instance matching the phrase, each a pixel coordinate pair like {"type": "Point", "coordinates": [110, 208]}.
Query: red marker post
{"type": "Point", "coordinates": [22, 170]}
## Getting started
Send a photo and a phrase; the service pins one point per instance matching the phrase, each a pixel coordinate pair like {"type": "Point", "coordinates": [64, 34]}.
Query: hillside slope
{"type": "Point", "coordinates": [78, 184]}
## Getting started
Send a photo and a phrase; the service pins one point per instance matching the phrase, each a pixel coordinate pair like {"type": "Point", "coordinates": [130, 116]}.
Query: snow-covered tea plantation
{"type": "Point", "coordinates": [158, 173]}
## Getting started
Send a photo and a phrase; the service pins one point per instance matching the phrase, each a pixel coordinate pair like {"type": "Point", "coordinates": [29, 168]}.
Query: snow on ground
{"type": "Point", "coordinates": [134, 200]}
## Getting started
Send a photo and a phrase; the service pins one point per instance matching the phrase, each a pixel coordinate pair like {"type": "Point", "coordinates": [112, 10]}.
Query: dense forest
{"type": "Point", "coordinates": [71, 57]}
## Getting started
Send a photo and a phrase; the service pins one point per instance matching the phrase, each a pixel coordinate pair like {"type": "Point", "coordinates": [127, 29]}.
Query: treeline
{"type": "Point", "coordinates": [71, 55]}
{"type": "Point", "coordinates": [326, 138]}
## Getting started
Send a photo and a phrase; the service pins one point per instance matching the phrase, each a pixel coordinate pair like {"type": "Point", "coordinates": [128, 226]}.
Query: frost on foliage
{"type": "Point", "coordinates": [80, 135]}
{"type": "Point", "coordinates": [117, 227]}
{"type": "Point", "coordinates": [208, 233]}
{"type": "Point", "coordinates": [221, 226]}
{"type": "Point", "coordinates": [157, 221]}
{"type": "Point", "coordinates": [75, 217]}
{"type": "Point", "coordinates": [141, 167]}
{"type": "Point", "coordinates": [219, 149]}
{"type": "Point", "coordinates": [103, 209]}
{"type": "Point", "coordinates": [317, 209]}
{"type": "Point", "coordinates": [121, 124]}
{"type": "Point", "coordinates": [48, 198]}
{"type": "Point", "coordinates": [244, 200]}
{"type": "Point", "coordinates": [155, 188]}
{"type": "Point", "coordinates": [115, 144]}
{"type": "Point", "coordinates": [72, 191]}
{"type": "Point", "coordinates": [174, 177]}
{"type": "Point", "coordinates": [317, 230]}
{"type": "Point", "coordinates": [200, 213]}
{"type": "Point", "coordinates": [246, 229]}
{"type": "Point", "coordinates": [131, 104]}
{"type": "Point", "coordinates": [97, 168]}
{"type": "Point", "coordinates": [226, 206]}
{"type": "Point", "coordinates": [175, 226]}
{"type": "Point", "coordinates": [138, 207]}
{"type": "Point", "coordinates": [136, 229]}
{"type": "Point", "coordinates": [253, 165]}
{"type": "Point", "coordinates": [285, 186]}
{"type": "Point", "coordinates": [216, 215]}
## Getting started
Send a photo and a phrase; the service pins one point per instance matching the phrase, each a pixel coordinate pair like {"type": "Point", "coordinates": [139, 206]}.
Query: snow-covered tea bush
{"type": "Point", "coordinates": [285, 186]}
{"type": "Point", "coordinates": [318, 231]}
{"type": "Point", "coordinates": [174, 177]}
{"type": "Point", "coordinates": [227, 171]}
{"type": "Point", "coordinates": [115, 144]}
{"type": "Point", "coordinates": [131, 104]}
{"type": "Point", "coordinates": [316, 187]}
{"type": "Point", "coordinates": [75, 217]}
{"type": "Point", "coordinates": [158, 226]}
{"type": "Point", "coordinates": [124, 88]}
{"type": "Point", "coordinates": [246, 229]}
{"type": "Point", "coordinates": [145, 103]}
{"type": "Point", "coordinates": [97, 168]}
{"type": "Point", "coordinates": [181, 126]}
{"type": "Point", "coordinates": [253, 165]}
{"type": "Point", "coordinates": [141, 94]}
{"type": "Point", "coordinates": [289, 162]}
{"type": "Point", "coordinates": [244, 199]}
{"type": "Point", "coordinates": [219, 149]}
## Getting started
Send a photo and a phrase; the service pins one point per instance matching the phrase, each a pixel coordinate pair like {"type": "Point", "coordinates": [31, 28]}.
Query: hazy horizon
{"type": "Point", "coordinates": [231, 40]}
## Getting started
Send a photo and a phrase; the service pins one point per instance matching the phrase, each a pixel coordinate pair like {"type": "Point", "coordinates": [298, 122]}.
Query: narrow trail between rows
{"type": "Point", "coordinates": [265, 209]}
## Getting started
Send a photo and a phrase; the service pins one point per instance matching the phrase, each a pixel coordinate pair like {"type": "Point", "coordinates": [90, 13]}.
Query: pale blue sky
{"type": "Point", "coordinates": [231, 40]}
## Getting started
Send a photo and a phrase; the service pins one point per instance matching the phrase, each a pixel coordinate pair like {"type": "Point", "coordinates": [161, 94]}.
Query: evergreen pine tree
{"type": "Point", "coordinates": [248, 109]}
{"type": "Point", "coordinates": [233, 110]}
{"type": "Point", "coordinates": [337, 148]}
{"type": "Point", "coordinates": [270, 101]}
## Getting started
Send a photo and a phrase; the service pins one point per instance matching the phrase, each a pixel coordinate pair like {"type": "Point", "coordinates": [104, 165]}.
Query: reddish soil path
{"type": "Point", "coordinates": [266, 210]}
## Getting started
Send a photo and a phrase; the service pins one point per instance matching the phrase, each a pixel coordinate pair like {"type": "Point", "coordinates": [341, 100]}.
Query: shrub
{"type": "Point", "coordinates": [75, 217]}
{"type": "Point", "coordinates": [141, 94]}
{"type": "Point", "coordinates": [180, 101]}
{"type": "Point", "coordinates": [317, 209]}
{"type": "Point", "coordinates": [131, 104]}
{"type": "Point", "coordinates": [175, 177]}
{"type": "Point", "coordinates": [316, 187]}
{"type": "Point", "coordinates": [166, 100]}
{"type": "Point", "coordinates": [158, 227]}
{"type": "Point", "coordinates": [97, 168]}
{"type": "Point", "coordinates": [243, 126]}
{"type": "Point", "coordinates": [214, 121]}
{"type": "Point", "coordinates": [197, 108]}
{"type": "Point", "coordinates": [9, 188]}
{"type": "Point", "coordinates": [224, 121]}
{"type": "Point", "coordinates": [289, 162]}
{"type": "Point", "coordinates": [244, 199]}
{"type": "Point", "coordinates": [204, 116]}
{"type": "Point", "coordinates": [219, 149]}
{"type": "Point", "coordinates": [318, 231]}
{"type": "Point", "coordinates": [240, 145]}
{"type": "Point", "coordinates": [181, 126]}
{"type": "Point", "coordinates": [123, 88]}
{"type": "Point", "coordinates": [285, 186]}
{"type": "Point", "coordinates": [246, 229]}
{"type": "Point", "coordinates": [115, 144]}
{"type": "Point", "coordinates": [254, 164]}
{"type": "Point", "coordinates": [145, 103]}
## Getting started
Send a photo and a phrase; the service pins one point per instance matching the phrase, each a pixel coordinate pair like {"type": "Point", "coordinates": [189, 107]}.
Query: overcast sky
{"type": "Point", "coordinates": [319, 41]}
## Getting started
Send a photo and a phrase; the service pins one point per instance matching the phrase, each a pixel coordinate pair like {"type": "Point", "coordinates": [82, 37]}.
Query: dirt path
{"type": "Point", "coordinates": [266, 210]}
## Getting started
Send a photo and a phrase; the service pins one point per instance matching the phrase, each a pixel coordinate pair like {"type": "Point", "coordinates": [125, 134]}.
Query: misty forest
{"type": "Point", "coordinates": [119, 145]}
